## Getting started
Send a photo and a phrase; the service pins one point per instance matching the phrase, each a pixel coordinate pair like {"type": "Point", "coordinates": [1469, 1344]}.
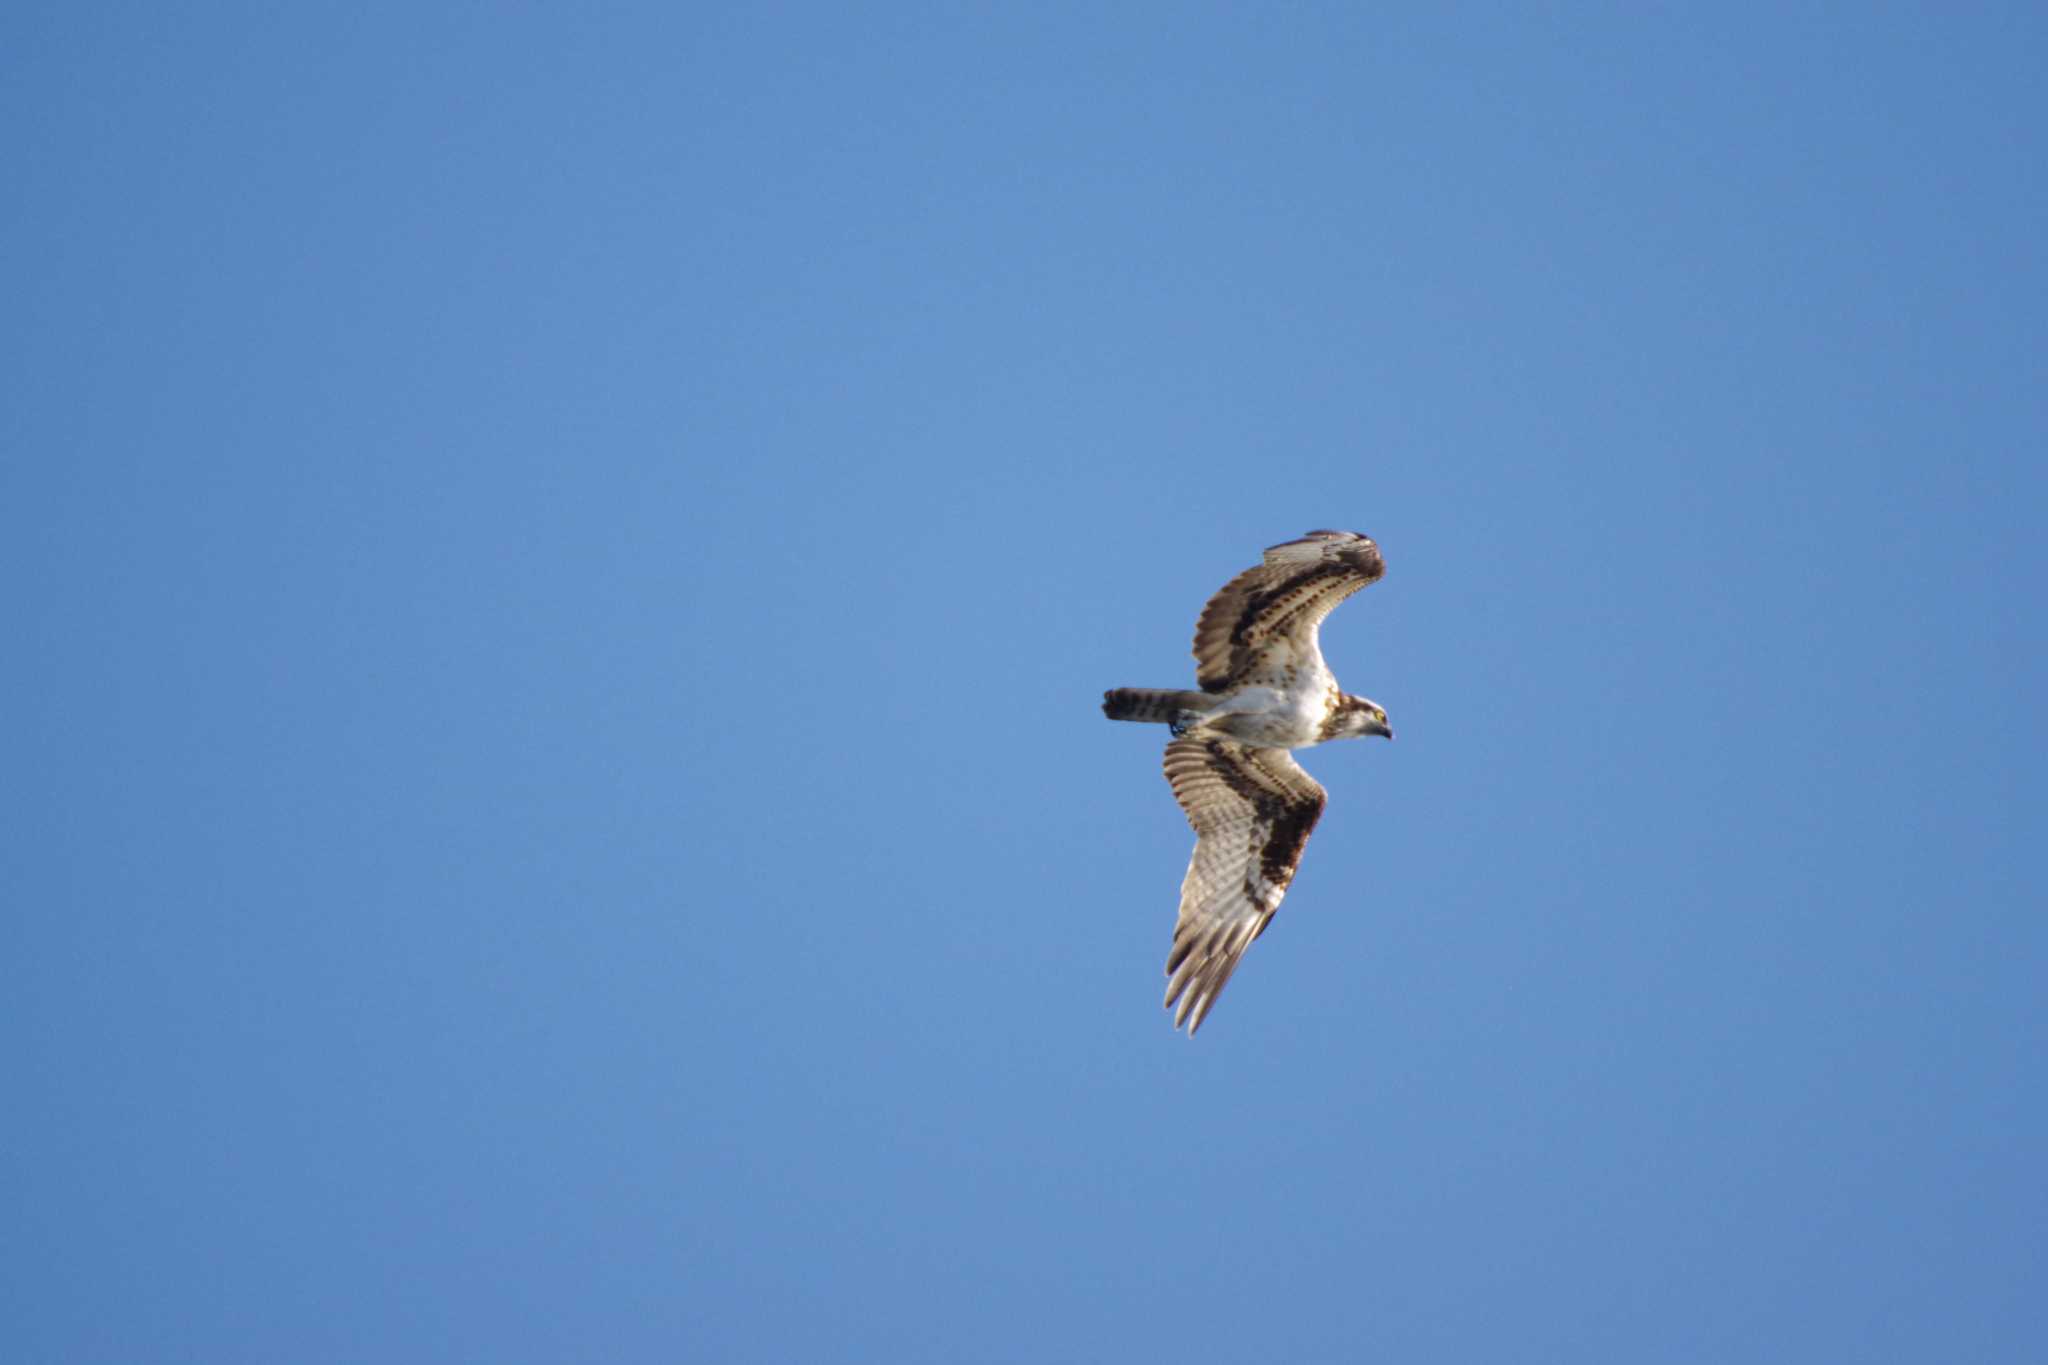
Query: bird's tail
{"type": "Point", "coordinates": [1158, 704]}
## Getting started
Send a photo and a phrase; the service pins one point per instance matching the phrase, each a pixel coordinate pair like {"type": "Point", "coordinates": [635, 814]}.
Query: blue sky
{"type": "Point", "coordinates": [562, 564]}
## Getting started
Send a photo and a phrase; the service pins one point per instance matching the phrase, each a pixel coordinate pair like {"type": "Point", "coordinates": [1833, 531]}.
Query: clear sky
{"type": "Point", "coordinates": [561, 563]}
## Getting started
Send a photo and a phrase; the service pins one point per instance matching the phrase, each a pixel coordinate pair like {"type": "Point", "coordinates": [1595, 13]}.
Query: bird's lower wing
{"type": "Point", "coordinates": [1252, 811]}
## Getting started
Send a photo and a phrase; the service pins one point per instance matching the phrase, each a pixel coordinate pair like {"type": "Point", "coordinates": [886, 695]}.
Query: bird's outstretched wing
{"type": "Point", "coordinates": [1252, 810]}
{"type": "Point", "coordinates": [1263, 623]}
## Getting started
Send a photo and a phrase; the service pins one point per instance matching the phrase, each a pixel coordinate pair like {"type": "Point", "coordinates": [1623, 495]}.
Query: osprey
{"type": "Point", "coordinates": [1265, 690]}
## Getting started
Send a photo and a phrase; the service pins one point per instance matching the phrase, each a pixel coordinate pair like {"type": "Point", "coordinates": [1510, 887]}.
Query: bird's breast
{"type": "Point", "coordinates": [1272, 717]}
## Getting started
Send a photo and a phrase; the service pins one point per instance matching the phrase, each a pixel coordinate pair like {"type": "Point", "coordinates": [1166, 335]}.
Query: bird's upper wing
{"type": "Point", "coordinates": [1252, 810]}
{"type": "Point", "coordinates": [1265, 619]}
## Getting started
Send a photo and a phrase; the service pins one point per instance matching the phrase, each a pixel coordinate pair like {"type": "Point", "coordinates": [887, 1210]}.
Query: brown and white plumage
{"type": "Point", "coordinates": [1268, 619]}
{"type": "Point", "coordinates": [1251, 810]}
{"type": "Point", "coordinates": [1265, 690]}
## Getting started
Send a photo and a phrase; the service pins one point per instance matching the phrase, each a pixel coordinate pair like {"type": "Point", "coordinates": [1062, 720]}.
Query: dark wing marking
{"type": "Point", "coordinates": [1266, 619]}
{"type": "Point", "coordinates": [1252, 810]}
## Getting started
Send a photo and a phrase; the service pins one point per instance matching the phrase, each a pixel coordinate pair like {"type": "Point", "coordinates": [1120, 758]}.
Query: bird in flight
{"type": "Point", "coordinates": [1264, 690]}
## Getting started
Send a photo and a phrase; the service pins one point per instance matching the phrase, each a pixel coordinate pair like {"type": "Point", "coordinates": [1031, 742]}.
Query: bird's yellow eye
{"type": "Point", "coordinates": [1382, 713]}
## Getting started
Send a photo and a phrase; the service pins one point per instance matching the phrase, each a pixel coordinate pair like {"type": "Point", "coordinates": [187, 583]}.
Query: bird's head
{"type": "Point", "coordinates": [1359, 717]}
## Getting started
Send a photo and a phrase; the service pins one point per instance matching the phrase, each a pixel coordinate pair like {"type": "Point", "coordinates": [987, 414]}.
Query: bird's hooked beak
{"type": "Point", "coordinates": [1380, 728]}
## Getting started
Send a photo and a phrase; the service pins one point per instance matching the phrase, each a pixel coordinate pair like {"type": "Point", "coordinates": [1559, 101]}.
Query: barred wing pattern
{"type": "Point", "coordinates": [1263, 625]}
{"type": "Point", "coordinates": [1252, 810]}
